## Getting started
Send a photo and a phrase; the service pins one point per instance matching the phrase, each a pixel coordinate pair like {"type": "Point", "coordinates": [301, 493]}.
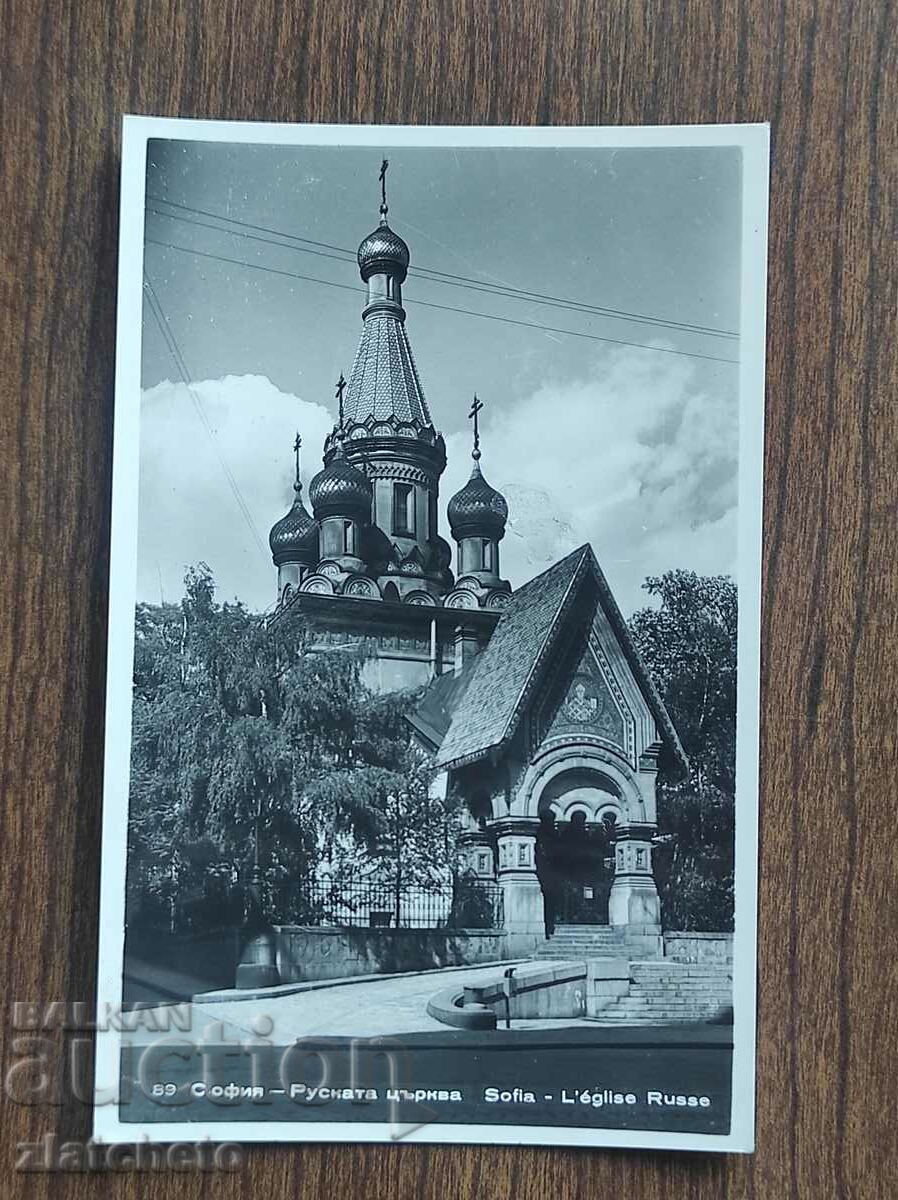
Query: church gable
{"type": "Point", "coordinates": [605, 694]}
{"type": "Point", "coordinates": [585, 706]}
{"type": "Point", "coordinates": [585, 700]}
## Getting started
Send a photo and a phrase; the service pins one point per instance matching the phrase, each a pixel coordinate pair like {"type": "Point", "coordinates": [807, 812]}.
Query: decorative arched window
{"type": "Point", "coordinates": [403, 509]}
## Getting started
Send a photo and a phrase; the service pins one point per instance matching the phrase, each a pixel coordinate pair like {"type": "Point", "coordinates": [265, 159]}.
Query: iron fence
{"type": "Point", "coordinates": [360, 904]}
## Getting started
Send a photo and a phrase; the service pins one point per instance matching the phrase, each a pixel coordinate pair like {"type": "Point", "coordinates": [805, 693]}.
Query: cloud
{"type": "Point", "coordinates": [637, 458]}
{"type": "Point", "coordinates": [188, 511]}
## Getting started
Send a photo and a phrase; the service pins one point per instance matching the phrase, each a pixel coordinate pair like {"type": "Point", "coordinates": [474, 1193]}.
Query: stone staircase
{"type": "Point", "coordinates": [665, 992]}
{"type": "Point", "coordinates": [574, 943]}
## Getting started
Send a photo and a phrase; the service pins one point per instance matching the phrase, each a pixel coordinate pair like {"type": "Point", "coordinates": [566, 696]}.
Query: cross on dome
{"type": "Point", "coordinates": [475, 409]}
{"type": "Point", "coordinates": [478, 510]}
{"type": "Point", "coordinates": [297, 446]}
{"type": "Point", "coordinates": [383, 188]}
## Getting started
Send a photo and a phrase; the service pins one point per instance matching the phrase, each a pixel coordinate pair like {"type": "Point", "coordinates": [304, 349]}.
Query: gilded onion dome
{"type": "Point", "coordinates": [341, 490]}
{"type": "Point", "coordinates": [478, 510]}
{"type": "Point", "coordinates": [383, 252]}
{"type": "Point", "coordinates": [294, 538]}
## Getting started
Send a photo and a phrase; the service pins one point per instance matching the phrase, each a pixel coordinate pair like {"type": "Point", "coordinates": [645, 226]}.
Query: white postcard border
{"type": "Point", "coordinates": [137, 131]}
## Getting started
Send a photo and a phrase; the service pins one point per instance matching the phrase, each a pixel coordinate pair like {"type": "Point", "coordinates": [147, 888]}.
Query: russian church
{"type": "Point", "coordinates": [535, 704]}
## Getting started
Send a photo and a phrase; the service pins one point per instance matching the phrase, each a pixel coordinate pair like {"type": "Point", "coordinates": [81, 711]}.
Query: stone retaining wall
{"type": "Point", "coordinates": [534, 990]}
{"type": "Point", "coordinates": [307, 952]}
{"type": "Point", "coordinates": [699, 947]}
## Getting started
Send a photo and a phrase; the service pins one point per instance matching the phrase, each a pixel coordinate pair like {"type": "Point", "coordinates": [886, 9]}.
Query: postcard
{"type": "Point", "coordinates": [431, 771]}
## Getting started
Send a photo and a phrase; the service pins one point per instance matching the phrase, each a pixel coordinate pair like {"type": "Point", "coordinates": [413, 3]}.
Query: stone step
{"type": "Point", "coordinates": [687, 989]}
{"type": "Point", "coordinates": [580, 944]}
{"type": "Point", "coordinates": [587, 945]}
{"type": "Point", "coordinates": [644, 1005]}
{"type": "Point", "coordinates": [568, 955]}
{"type": "Point", "coordinates": [585, 941]}
{"type": "Point", "coordinates": [584, 931]}
{"type": "Point", "coordinates": [656, 977]}
{"type": "Point", "coordinates": [657, 1009]}
{"type": "Point", "coordinates": [603, 1020]}
{"type": "Point", "coordinates": [663, 966]}
{"type": "Point", "coordinates": [708, 998]}
{"type": "Point", "coordinates": [660, 1014]}
{"type": "Point", "coordinates": [578, 929]}
{"type": "Point", "coordinates": [623, 1006]}
{"type": "Point", "coordinates": [679, 980]}
{"type": "Point", "coordinates": [701, 1017]}
{"type": "Point", "coordinates": [675, 985]}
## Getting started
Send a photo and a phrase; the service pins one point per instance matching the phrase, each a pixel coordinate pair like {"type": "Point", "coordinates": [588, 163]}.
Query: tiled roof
{"type": "Point", "coordinates": [433, 715]}
{"type": "Point", "coordinates": [507, 671]}
{"type": "Point", "coordinates": [487, 714]}
{"type": "Point", "coordinates": [384, 382]}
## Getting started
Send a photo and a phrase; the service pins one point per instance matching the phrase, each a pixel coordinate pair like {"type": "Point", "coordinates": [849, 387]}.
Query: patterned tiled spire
{"type": "Point", "coordinates": [384, 385]}
{"type": "Point", "coordinates": [384, 388]}
{"type": "Point", "coordinates": [385, 433]}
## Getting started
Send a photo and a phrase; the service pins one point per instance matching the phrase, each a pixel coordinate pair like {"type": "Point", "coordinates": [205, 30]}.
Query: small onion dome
{"type": "Point", "coordinates": [478, 510]}
{"type": "Point", "coordinates": [383, 252]}
{"type": "Point", "coordinates": [294, 538]}
{"type": "Point", "coordinates": [341, 490]}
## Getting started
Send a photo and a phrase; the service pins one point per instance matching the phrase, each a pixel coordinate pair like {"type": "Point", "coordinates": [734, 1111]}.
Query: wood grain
{"type": "Point", "coordinates": [825, 75]}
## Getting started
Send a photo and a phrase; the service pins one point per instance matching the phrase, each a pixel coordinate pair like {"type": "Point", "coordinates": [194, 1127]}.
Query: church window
{"type": "Point", "coordinates": [404, 509]}
{"type": "Point", "coordinates": [486, 554]}
{"type": "Point", "coordinates": [349, 537]}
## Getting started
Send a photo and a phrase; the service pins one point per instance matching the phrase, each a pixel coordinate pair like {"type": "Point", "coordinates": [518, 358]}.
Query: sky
{"type": "Point", "coordinates": [611, 438]}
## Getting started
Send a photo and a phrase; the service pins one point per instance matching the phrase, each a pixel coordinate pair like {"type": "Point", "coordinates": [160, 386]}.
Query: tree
{"type": "Point", "coordinates": [211, 762]}
{"type": "Point", "coordinates": [688, 643]}
{"type": "Point", "coordinates": [246, 739]}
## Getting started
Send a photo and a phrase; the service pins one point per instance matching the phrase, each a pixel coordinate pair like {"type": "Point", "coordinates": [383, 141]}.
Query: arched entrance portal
{"type": "Point", "coordinates": [579, 810]}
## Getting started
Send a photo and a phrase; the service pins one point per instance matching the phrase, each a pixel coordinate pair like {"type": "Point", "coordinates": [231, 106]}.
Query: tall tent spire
{"type": "Point", "coordinates": [385, 433]}
{"type": "Point", "coordinates": [384, 388]}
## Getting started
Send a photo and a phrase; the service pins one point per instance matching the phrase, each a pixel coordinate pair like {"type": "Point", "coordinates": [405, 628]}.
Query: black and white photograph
{"type": "Point", "coordinates": [430, 800]}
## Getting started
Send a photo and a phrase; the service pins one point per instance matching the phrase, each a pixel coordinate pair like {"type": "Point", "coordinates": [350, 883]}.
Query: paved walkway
{"type": "Point", "coordinates": [377, 1007]}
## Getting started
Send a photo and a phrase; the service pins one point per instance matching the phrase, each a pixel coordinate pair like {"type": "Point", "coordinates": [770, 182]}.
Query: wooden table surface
{"type": "Point", "coordinates": [824, 73]}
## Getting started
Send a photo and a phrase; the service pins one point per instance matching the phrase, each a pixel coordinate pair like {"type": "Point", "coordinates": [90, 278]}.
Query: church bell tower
{"type": "Point", "coordinates": [385, 429]}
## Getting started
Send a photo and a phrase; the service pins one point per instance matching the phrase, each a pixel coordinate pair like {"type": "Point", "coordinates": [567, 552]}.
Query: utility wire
{"type": "Point", "coordinates": [239, 262]}
{"type": "Point", "coordinates": [175, 351]}
{"type": "Point", "coordinates": [576, 306]}
{"type": "Point", "coordinates": [507, 291]}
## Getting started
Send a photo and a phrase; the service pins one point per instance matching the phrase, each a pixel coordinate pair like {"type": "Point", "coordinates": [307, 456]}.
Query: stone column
{"type": "Point", "coordinates": [633, 901]}
{"type": "Point", "coordinates": [477, 850]}
{"type": "Point", "coordinates": [522, 896]}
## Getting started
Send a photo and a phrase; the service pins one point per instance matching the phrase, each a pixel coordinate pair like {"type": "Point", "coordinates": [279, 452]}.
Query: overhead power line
{"type": "Point", "coordinates": [174, 350]}
{"type": "Point", "coordinates": [239, 262]}
{"type": "Point", "coordinates": [506, 291]}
